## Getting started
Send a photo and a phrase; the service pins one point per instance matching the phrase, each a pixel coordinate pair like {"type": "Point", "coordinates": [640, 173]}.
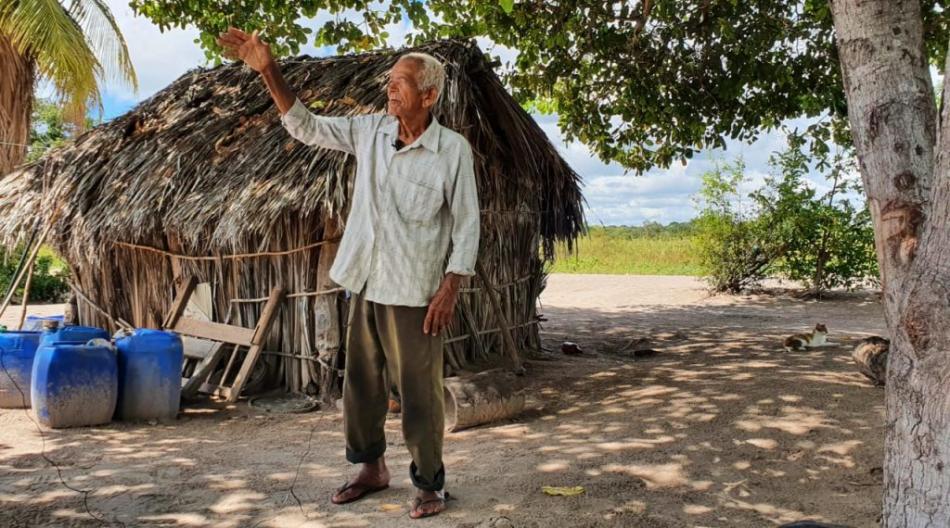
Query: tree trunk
{"type": "Point", "coordinates": [904, 158]}
{"type": "Point", "coordinates": [17, 75]}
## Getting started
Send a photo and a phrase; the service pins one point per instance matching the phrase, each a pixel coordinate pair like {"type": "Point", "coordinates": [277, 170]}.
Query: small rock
{"type": "Point", "coordinates": [496, 522]}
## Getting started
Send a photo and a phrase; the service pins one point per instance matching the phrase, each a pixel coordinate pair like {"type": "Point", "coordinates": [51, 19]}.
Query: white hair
{"type": "Point", "coordinates": [431, 72]}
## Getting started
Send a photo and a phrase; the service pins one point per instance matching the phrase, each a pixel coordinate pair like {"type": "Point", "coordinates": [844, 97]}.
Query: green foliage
{"type": "Point", "coordinates": [74, 45]}
{"type": "Point", "coordinates": [784, 228]}
{"type": "Point", "coordinates": [829, 243]}
{"type": "Point", "coordinates": [49, 276]}
{"type": "Point", "coordinates": [650, 249]}
{"type": "Point", "coordinates": [736, 243]}
{"type": "Point", "coordinates": [49, 128]}
{"type": "Point", "coordinates": [281, 23]}
{"type": "Point", "coordinates": [643, 83]}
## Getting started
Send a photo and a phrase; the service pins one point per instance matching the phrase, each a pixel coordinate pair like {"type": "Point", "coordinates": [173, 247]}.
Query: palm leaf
{"type": "Point", "coordinates": [66, 45]}
{"type": "Point", "coordinates": [106, 40]}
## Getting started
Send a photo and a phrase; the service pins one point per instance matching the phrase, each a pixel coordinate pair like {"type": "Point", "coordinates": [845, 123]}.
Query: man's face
{"type": "Point", "coordinates": [405, 98]}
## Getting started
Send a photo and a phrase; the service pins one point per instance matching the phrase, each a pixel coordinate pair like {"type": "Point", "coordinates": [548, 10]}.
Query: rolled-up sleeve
{"type": "Point", "coordinates": [465, 217]}
{"type": "Point", "coordinates": [337, 133]}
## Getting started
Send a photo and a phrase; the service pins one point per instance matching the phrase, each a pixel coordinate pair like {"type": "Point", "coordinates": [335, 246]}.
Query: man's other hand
{"type": "Point", "coordinates": [442, 306]}
{"type": "Point", "coordinates": [238, 45]}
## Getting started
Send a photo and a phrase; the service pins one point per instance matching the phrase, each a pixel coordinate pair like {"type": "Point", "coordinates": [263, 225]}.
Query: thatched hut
{"type": "Point", "coordinates": [201, 180]}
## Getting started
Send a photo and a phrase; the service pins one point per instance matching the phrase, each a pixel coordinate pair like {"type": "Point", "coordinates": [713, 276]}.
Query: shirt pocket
{"type": "Point", "coordinates": [417, 199]}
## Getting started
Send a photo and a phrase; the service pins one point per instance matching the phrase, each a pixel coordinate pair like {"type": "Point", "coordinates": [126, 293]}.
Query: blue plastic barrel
{"type": "Point", "coordinates": [17, 350]}
{"type": "Point", "coordinates": [74, 385]}
{"type": "Point", "coordinates": [72, 334]}
{"type": "Point", "coordinates": [149, 375]}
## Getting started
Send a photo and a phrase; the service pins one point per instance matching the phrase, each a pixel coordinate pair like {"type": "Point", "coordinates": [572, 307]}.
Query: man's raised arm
{"type": "Point", "coordinates": [254, 52]}
{"type": "Point", "coordinates": [337, 133]}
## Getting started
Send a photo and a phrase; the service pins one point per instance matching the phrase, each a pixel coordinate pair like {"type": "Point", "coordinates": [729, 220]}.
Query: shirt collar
{"type": "Point", "coordinates": [429, 139]}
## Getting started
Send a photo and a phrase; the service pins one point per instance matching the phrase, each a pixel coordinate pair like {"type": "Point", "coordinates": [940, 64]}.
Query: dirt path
{"type": "Point", "coordinates": [721, 428]}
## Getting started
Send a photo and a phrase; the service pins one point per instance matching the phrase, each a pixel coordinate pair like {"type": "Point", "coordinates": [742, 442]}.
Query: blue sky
{"type": "Point", "coordinates": [614, 198]}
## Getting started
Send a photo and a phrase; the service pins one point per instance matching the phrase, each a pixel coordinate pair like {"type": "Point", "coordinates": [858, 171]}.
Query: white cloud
{"type": "Point", "coordinates": [665, 195]}
{"type": "Point", "coordinates": [159, 58]}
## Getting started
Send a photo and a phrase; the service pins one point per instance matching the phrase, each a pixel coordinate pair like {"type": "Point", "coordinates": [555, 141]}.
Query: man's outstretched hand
{"type": "Point", "coordinates": [248, 48]}
{"type": "Point", "coordinates": [238, 45]}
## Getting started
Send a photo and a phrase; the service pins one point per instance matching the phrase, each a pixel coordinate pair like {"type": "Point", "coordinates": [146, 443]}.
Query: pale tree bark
{"type": "Point", "coordinates": [904, 156]}
{"type": "Point", "coordinates": [17, 75]}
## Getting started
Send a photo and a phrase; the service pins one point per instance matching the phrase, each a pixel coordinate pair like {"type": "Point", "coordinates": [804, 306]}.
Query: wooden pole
{"type": "Point", "coordinates": [327, 327]}
{"type": "Point", "coordinates": [26, 296]}
{"type": "Point", "coordinates": [502, 320]}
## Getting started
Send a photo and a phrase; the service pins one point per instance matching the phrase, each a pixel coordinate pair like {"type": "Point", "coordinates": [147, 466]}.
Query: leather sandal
{"type": "Point", "coordinates": [363, 491]}
{"type": "Point", "coordinates": [417, 503]}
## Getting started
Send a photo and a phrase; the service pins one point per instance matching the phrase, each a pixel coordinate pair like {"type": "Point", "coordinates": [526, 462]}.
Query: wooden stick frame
{"type": "Point", "coordinates": [222, 334]}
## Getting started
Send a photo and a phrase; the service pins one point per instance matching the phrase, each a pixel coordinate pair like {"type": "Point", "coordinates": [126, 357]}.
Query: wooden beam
{"type": "Point", "coordinates": [180, 302]}
{"type": "Point", "coordinates": [214, 331]}
{"type": "Point", "coordinates": [203, 371]}
{"type": "Point", "coordinates": [257, 341]}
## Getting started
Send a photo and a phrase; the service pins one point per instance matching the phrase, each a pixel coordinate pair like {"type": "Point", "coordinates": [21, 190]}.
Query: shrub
{"type": "Point", "coordinates": [48, 284]}
{"type": "Point", "coordinates": [784, 228]}
{"type": "Point", "coordinates": [734, 239]}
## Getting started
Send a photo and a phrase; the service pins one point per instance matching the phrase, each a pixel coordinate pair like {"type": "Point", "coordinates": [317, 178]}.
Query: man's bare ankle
{"type": "Point", "coordinates": [375, 470]}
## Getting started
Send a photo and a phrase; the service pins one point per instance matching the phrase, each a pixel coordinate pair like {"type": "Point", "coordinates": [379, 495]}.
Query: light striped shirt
{"type": "Point", "coordinates": [407, 205]}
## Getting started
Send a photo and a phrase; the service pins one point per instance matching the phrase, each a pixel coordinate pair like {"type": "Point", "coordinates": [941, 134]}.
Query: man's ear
{"type": "Point", "coordinates": [429, 98]}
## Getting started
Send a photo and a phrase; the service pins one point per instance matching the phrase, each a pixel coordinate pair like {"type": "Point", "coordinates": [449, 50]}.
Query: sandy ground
{"type": "Point", "coordinates": [720, 428]}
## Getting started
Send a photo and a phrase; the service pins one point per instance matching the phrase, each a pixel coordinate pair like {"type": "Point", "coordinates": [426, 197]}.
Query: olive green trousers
{"type": "Point", "coordinates": [385, 345]}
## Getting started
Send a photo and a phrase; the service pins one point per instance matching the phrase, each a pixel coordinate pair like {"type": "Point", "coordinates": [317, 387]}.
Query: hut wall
{"type": "Point", "coordinates": [138, 286]}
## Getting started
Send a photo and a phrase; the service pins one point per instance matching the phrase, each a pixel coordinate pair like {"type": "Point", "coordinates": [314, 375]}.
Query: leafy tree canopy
{"type": "Point", "coordinates": [50, 128]}
{"type": "Point", "coordinates": [644, 83]}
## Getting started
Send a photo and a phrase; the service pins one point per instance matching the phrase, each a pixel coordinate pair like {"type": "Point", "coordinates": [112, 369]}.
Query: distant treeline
{"type": "Point", "coordinates": [649, 230]}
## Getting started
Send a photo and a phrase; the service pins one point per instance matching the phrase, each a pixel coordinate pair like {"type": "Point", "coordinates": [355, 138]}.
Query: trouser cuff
{"type": "Point", "coordinates": [366, 456]}
{"type": "Point", "coordinates": [436, 484]}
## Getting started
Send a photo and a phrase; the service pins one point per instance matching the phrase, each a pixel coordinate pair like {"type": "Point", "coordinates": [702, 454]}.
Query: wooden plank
{"type": "Point", "coordinates": [214, 331]}
{"type": "Point", "coordinates": [203, 371]}
{"type": "Point", "coordinates": [260, 334]}
{"type": "Point", "coordinates": [267, 314]}
{"type": "Point", "coordinates": [195, 348]}
{"type": "Point", "coordinates": [181, 301]}
{"type": "Point", "coordinates": [225, 392]}
{"type": "Point", "coordinates": [227, 368]}
{"type": "Point", "coordinates": [215, 390]}
{"type": "Point", "coordinates": [174, 246]}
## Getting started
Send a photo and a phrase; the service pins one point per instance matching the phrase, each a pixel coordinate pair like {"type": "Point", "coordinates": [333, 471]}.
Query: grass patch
{"type": "Point", "coordinates": [631, 251]}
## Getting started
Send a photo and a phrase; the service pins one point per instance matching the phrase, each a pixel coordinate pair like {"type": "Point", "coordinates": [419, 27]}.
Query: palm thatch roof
{"type": "Point", "coordinates": [206, 158]}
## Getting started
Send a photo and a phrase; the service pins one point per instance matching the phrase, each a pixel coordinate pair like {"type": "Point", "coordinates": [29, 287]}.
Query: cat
{"type": "Point", "coordinates": [817, 338]}
{"type": "Point", "coordinates": [871, 357]}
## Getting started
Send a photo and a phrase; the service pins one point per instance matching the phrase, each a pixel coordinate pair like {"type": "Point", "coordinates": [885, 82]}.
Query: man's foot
{"type": "Point", "coordinates": [428, 503]}
{"type": "Point", "coordinates": [371, 478]}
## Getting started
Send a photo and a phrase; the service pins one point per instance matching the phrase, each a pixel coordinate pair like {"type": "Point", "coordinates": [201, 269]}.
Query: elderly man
{"type": "Point", "coordinates": [414, 194]}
